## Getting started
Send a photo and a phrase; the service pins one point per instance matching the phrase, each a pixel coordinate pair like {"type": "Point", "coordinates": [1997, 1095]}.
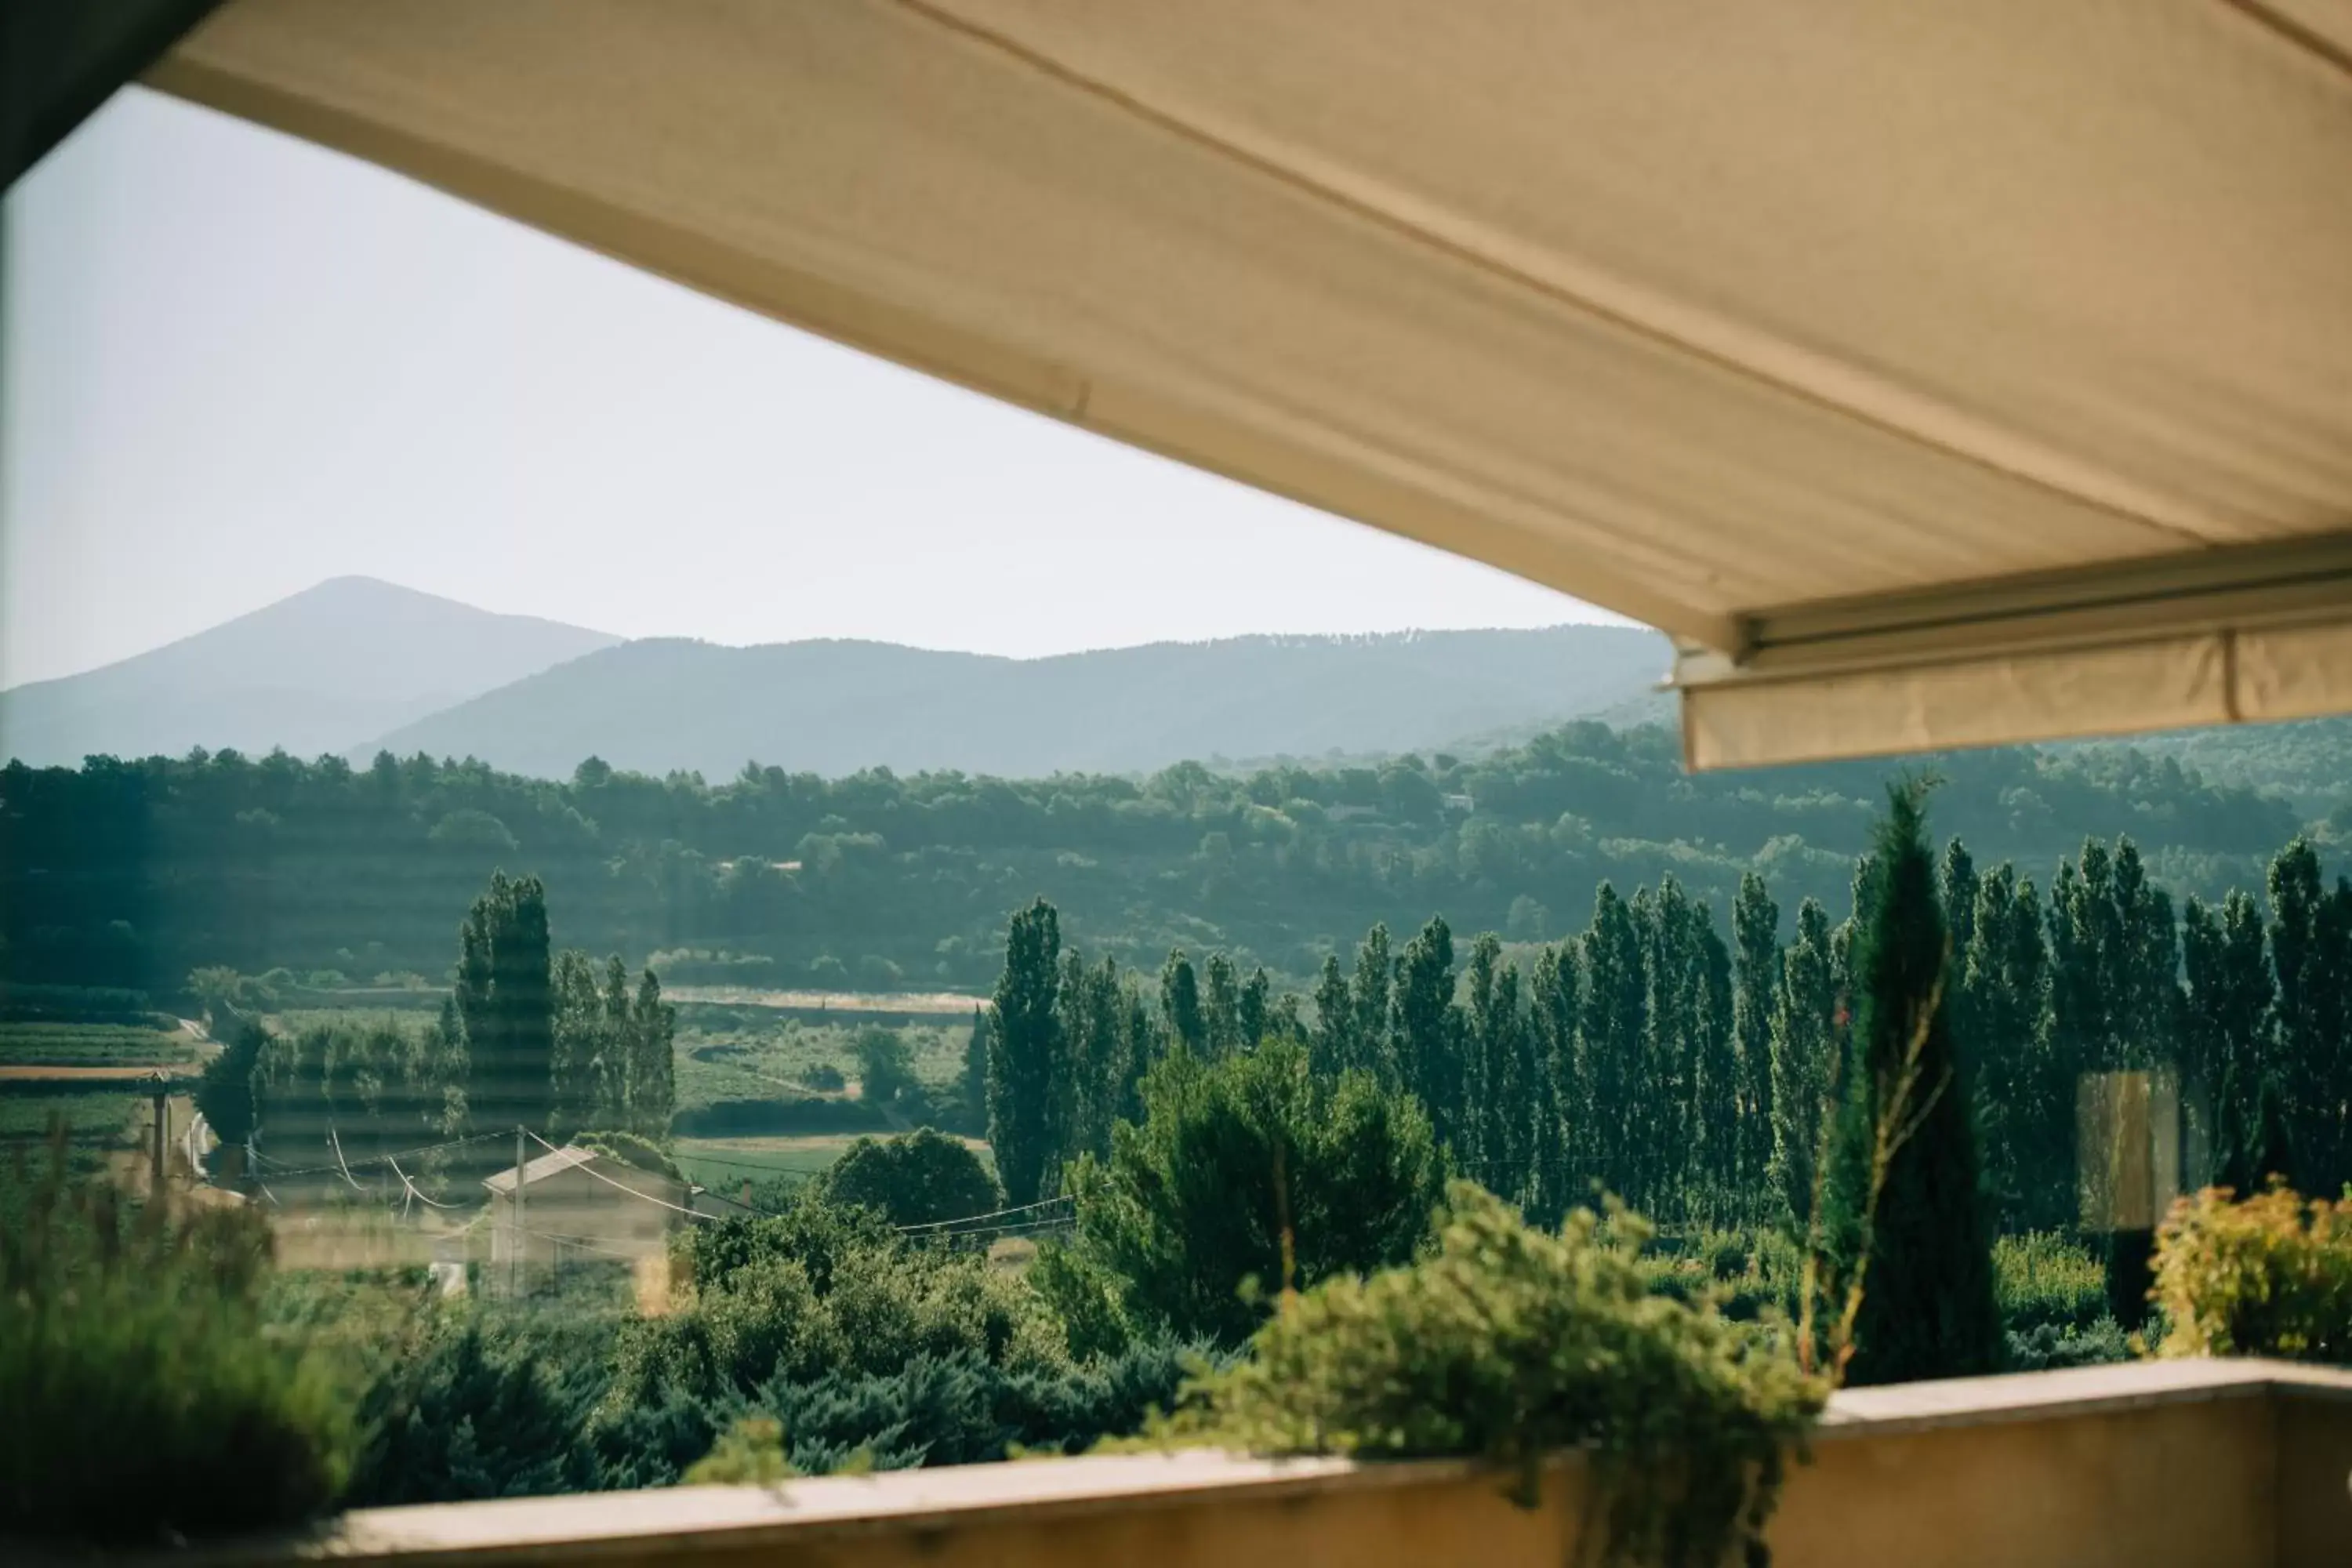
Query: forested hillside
{"type": "Point", "coordinates": [134, 873]}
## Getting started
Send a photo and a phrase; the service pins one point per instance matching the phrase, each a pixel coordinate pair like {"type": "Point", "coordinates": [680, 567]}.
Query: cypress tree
{"type": "Point", "coordinates": [1373, 987]}
{"type": "Point", "coordinates": [1429, 1033]}
{"type": "Point", "coordinates": [1559, 1144]}
{"type": "Point", "coordinates": [1615, 1013]}
{"type": "Point", "coordinates": [1331, 1046]}
{"type": "Point", "coordinates": [1802, 1040]}
{"type": "Point", "coordinates": [1220, 1010]}
{"type": "Point", "coordinates": [1756, 940]}
{"type": "Point", "coordinates": [2026, 1116]}
{"type": "Point", "coordinates": [653, 1095]}
{"type": "Point", "coordinates": [2226, 1034]}
{"type": "Point", "coordinates": [2311, 952]}
{"type": "Point", "coordinates": [1927, 1308]}
{"type": "Point", "coordinates": [505, 1002]}
{"type": "Point", "coordinates": [1024, 1048]}
{"type": "Point", "coordinates": [973, 1081]}
{"type": "Point", "coordinates": [1484, 1141]}
{"type": "Point", "coordinates": [1179, 1004]}
{"type": "Point", "coordinates": [1253, 1011]}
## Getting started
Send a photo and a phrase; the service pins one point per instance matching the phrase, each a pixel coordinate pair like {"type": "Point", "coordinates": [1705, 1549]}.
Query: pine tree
{"type": "Point", "coordinates": [1179, 1004]}
{"type": "Point", "coordinates": [1803, 1040]}
{"type": "Point", "coordinates": [1756, 940]}
{"type": "Point", "coordinates": [1025, 1049]}
{"type": "Point", "coordinates": [1332, 1043]}
{"type": "Point", "coordinates": [1927, 1308]}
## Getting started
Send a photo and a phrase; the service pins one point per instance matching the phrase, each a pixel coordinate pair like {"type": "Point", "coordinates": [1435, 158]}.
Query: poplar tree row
{"type": "Point", "coordinates": [1649, 1057]}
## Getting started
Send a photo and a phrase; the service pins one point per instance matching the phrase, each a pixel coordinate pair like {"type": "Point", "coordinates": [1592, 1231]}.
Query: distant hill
{"type": "Point", "coordinates": [320, 672]}
{"type": "Point", "coordinates": [834, 707]}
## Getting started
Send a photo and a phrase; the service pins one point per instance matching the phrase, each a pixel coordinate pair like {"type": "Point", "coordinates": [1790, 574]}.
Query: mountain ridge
{"type": "Point", "coordinates": [313, 673]}
{"type": "Point", "coordinates": [836, 706]}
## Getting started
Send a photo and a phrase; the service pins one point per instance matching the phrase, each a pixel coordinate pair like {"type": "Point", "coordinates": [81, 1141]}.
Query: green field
{"type": "Point", "coordinates": [94, 1117]}
{"type": "Point", "coordinates": [742, 1052]}
{"type": "Point", "coordinates": [724, 1164]}
{"type": "Point", "coordinates": [93, 1045]}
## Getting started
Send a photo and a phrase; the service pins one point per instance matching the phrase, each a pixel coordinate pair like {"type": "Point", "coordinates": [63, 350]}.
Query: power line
{"type": "Point", "coordinates": [993, 1214]}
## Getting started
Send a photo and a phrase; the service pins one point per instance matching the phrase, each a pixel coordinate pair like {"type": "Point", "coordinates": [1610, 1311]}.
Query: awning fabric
{"type": "Point", "coordinates": [1941, 372]}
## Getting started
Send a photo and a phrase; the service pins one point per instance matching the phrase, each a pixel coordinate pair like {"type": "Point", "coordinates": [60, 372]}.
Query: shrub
{"type": "Point", "coordinates": [1512, 1342]}
{"type": "Point", "coordinates": [2042, 1279]}
{"type": "Point", "coordinates": [142, 1397]}
{"type": "Point", "coordinates": [922, 1178]}
{"type": "Point", "coordinates": [2046, 1347]}
{"type": "Point", "coordinates": [2270, 1275]}
{"type": "Point", "coordinates": [817, 1289]}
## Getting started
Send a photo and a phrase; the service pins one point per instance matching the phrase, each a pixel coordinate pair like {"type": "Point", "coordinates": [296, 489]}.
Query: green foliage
{"type": "Point", "coordinates": [1252, 1171]}
{"type": "Point", "coordinates": [2043, 1278]}
{"type": "Point", "coordinates": [917, 869]}
{"type": "Point", "coordinates": [225, 1093]}
{"type": "Point", "coordinates": [2269, 1275]}
{"type": "Point", "coordinates": [886, 1071]}
{"type": "Point", "coordinates": [142, 1399]}
{"type": "Point", "coordinates": [749, 1453]}
{"type": "Point", "coordinates": [817, 1289]}
{"type": "Point", "coordinates": [1515, 1344]}
{"type": "Point", "coordinates": [504, 998]}
{"type": "Point", "coordinates": [922, 1178]}
{"type": "Point", "coordinates": [630, 1149]}
{"type": "Point", "coordinates": [1903, 1212]}
{"type": "Point", "coordinates": [1023, 1051]}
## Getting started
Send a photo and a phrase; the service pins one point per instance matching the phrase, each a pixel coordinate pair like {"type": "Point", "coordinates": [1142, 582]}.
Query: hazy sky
{"type": "Point", "coordinates": [237, 364]}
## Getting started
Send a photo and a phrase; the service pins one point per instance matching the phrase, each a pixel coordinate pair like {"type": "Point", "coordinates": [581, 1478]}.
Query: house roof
{"type": "Point", "coordinates": [1946, 373]}
{"type": "Point", "coordinates": [556, 1161]}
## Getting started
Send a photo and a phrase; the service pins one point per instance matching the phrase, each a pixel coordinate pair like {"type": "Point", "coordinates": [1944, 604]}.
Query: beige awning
{"type": "Point", "coordinates": [1938, 373]}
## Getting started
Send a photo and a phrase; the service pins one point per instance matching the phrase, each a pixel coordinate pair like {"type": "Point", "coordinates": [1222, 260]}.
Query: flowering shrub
{"type": "Point", "coordinates": [2268, 1275]}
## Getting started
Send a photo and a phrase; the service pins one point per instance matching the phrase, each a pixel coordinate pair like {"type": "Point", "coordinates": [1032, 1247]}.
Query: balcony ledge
{"type": "Point", "coordinates": [2198, 1462]}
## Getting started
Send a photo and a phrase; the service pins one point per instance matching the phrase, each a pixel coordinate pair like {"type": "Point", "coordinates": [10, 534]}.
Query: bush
{"type": "Point", "coordinates": [143, 1398]}
{"type": "Point", "coordinates": [2049, 1346]}
{"type": "Point", "coordinates": [819, 1289]}
{"type": "Point", "coordinates": [922, 1178]}
{"type": "Point", "coordinates": [2043, 1279]}
{"type": "Point", "coordinates": [1513, 1343]}
{"type": "Point", "coordinates": [2270, 1275]}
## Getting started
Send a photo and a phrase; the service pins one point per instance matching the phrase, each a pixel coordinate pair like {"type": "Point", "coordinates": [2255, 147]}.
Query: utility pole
{"type": "Point", "coordinates": [514, 1257]}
